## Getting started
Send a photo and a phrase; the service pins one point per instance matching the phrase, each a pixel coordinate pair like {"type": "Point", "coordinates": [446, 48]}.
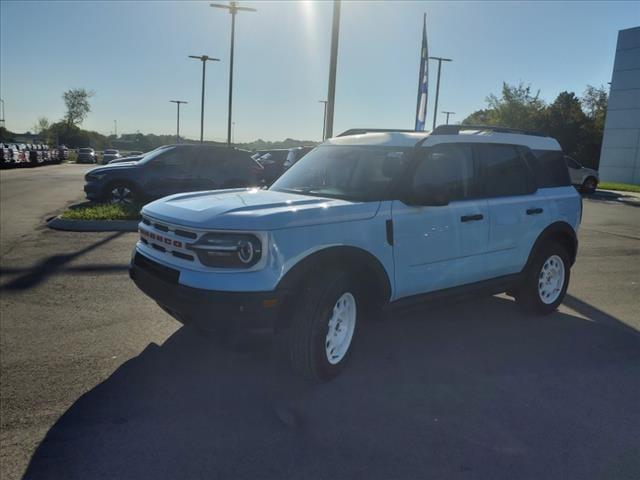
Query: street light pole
{"type": "Point", "coordinates": [435, 108]}
{"type": "Point", "coordinates": [448, 113]}
{"type": "Point", "coordinates": [115, 128]}
{"type": "Point", "coordinates": [2, 117]}
{"type": "Point", "coordinates": [333, 64]}
{"type": "Point", "coordinates": [324, 119]}
{"type": "Point", "coordinates": [233, 10]}
{"type": "Point", "coordinates": [203, 59]}
{"type": "Point", "coordinates": [178, 102]}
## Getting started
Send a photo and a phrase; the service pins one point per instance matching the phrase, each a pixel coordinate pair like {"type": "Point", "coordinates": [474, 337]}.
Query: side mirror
{"type": "Point", "coordinates": [427, 196]}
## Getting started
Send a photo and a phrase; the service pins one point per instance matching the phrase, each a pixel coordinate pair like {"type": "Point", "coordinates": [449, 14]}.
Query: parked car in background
{"type": "Point", "coordinates": [87, 155]}
{"type": "Point", "coordinates": [6, 155]}
{"type": "Point", "coordinates": [23, 154]}
{"type": "Point", "coordinates": [272, 162]}
{"type": "Point", "coordinates": [584, 179]}
{"type": "Point", "coordinates": [173, 169]}
{"type": "Point", "coordinates": [109, 155]}
{"type": "Point", "coordinates": [294, 155]}
{"type": "Point", "coordinates": [63, 153]}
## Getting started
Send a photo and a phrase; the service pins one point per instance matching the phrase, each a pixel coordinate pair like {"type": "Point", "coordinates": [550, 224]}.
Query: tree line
{"type": "Point", "coordinates": [577, 122]}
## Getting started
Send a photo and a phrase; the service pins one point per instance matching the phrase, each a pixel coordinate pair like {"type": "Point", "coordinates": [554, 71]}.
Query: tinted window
{"type": "Point", "coordinates": [447, 168]}
{"type": "Point", "coordinates": [505, 172]}
{"type": "Point", "coordinates": [549, 167]}
{"type": "Point", "coordinates": [572, 163]}
{"type": "Point", "coordinates": [176, 160]}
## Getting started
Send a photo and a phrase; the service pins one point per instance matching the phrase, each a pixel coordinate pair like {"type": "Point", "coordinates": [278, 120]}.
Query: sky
{"type": "Point", "coordinates": [134, 55]}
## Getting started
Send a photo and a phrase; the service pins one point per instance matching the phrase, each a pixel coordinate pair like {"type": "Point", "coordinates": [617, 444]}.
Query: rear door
{"type": "Point", "coordinates": [516, 207]}
{"type": "Point", "coordinates": [437, 247]}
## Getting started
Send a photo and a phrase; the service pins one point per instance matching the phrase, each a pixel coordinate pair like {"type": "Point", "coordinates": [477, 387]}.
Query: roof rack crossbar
{"type": "Point", "coordinates": [455, 130]}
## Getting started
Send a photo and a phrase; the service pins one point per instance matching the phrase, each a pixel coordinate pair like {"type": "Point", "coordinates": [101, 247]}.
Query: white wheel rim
{"type": "Point", "coordinates": [121, 195]}
{"type": "Point", "coordinates": [551, 279]}
{"type": "Point", "coordinates": [342, 324]}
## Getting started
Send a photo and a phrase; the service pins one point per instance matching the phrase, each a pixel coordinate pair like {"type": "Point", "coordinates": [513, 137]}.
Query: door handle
{"type": "Point", "coordinates": [471, 218]}
{"type": "Point", "coordinates": [534, 211]}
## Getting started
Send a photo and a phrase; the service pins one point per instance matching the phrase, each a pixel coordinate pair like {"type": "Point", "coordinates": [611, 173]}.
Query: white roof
{"type": "Point", "coordinates": [409, 139]}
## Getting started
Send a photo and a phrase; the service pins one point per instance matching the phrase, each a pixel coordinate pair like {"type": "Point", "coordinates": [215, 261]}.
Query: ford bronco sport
{"type": "Point", "coordinates": [364, 221]}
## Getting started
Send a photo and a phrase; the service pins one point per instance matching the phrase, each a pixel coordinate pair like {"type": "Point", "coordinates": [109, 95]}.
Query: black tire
{"type": "Point", "coordinates": [589, 185]}
{"type": "Point", "coordinates": [310, 324]}
{"type": "Point", "coordinates": [133, 197]}
{"type": "Point", "coordinates": [528, 293]}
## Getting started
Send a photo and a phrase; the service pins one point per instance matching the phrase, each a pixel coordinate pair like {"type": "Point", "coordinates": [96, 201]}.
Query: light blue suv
{"type": "Point", "coordinates": [367, 220]}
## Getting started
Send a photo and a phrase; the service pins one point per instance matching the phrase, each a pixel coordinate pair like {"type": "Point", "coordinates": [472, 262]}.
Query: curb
{"type": "Point", "coordinates": [57, 223]}
{"type": "Point", "coordinates": [628, 198]}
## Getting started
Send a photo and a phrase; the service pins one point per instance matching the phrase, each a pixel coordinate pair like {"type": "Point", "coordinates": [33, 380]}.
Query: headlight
{"type": "Point", "coordinates": [92, 177]}
{"type": "Point", "coordinates": [228, 250]}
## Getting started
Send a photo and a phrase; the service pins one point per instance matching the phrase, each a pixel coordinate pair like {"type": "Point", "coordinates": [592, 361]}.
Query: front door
{"type": "Point", "coordinates": [434, 244]}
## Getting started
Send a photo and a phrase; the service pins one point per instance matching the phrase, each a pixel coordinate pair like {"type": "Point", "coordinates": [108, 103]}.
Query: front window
{"type": "Point", "coordinates": [359, 173]}
{"type": "Point", "coordinates": [155, 153]}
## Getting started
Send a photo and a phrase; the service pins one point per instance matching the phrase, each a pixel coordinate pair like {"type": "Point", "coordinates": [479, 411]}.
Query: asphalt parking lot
{"type": "Point", "coordinates": [98, 382]}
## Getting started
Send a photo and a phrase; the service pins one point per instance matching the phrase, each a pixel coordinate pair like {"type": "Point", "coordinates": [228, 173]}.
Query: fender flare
{"type": "Point", "coordinates": [560, 231]}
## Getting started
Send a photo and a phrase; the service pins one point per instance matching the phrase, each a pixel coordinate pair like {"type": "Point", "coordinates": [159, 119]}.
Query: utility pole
{"type": "Point", "coordinates": [203, 59]}
{"type": "Point", "coordinates": [448, 113]}
{"type": "Point", "coordinates": [115, 128]}
{"type": "Point", "coordinates": [233, 132]}
{"type": "Point", "coordinates": [324, 119]}
{"type": "Point", "coordinates": [2, 117]}
{"type": "Point", "coordinates": [435, 108]}
{"type": "Point", "coordinates": [233, 10]}
{"type": "Point", "coordinates": [333, 64]}
{"type": "Point", "coordinates": [178, 102]}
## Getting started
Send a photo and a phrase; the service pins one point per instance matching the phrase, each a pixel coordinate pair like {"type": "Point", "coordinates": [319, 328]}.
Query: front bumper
{"type": "Point", "coordinates": [93, 191]}
{"type": "Point", "coordinates": [207, 309]}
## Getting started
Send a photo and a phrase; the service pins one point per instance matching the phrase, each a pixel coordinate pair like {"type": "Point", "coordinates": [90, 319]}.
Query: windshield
{"type": "Point", "coordinates": [359, 173]}
{"type": "Point", "coordinates": [154, 153]}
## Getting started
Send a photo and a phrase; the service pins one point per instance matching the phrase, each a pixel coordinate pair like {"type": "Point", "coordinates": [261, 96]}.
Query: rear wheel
{"type": "Point", "coordinates": [546, 280]}
{"type": "Point", "coordinates": [323, 326]}
{"type": "Point", "coordinates": [589, 185]}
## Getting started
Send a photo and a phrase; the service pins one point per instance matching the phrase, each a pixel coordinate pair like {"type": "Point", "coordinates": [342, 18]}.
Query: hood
{"type": "Point", "coordinates": [112, 167]}
{"type": "Point", "coordinates": [253, 209]}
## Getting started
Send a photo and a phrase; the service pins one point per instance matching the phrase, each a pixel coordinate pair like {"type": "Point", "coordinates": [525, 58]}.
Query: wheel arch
{"type": "Point", "coordinates": [370, 272]}
{"type": "Point", "coordinates": [560, 232]}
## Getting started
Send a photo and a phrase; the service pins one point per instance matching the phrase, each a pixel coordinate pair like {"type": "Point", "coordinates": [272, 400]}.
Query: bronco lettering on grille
{"type": "Point", "coordinates": [160, 238]}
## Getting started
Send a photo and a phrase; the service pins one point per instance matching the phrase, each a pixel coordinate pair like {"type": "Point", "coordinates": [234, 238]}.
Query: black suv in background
{"type": "Point", "coordinates": [173, 169]}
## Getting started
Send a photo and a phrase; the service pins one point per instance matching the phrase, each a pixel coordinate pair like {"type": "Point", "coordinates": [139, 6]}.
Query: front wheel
{"type": "Point", "coordinates": [546, 280]}
{"type": "Point", "coordinates": [122, 194]}
{"type": "Point", "coordinates": [323, 326]}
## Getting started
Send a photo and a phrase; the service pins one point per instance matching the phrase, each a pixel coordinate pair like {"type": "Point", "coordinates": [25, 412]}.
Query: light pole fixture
{"type": "Point", "coordinates": [448, 113]}
{"type": "Point", "coordinates": [324, 119]}
{"type": "Point", "coordinates": [435, 108]}
{"type": "Point", "coordinates": [178, 102]}
{"type": "Point", "coordinates": [203, 59]}
{"type": "Point", "coordinates": [233, 9]}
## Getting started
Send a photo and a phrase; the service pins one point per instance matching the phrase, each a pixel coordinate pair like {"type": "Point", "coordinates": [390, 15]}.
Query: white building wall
{"type": "Point", "coordinates": [620, 156]}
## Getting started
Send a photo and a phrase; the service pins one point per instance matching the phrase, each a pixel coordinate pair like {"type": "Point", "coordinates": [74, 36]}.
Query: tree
{"type": "Point", "coordinates": [566, 122]}
{"type": "Point", "coordinates": [41, 128]}
{"type": "Point", "coordinates": [516, 107]}
{"type": "Point", "coordinates": [77, 103]}
{"type": "Point", "coordinates": [594, 100]}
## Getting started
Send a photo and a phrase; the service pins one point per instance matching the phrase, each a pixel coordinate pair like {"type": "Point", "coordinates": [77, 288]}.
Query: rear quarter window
{"type": "Point", "coordinates": [549, 167]}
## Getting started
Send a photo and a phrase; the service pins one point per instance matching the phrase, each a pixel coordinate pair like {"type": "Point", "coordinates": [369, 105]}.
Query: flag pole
{"type": "Point", "coordinates": [423, 78]}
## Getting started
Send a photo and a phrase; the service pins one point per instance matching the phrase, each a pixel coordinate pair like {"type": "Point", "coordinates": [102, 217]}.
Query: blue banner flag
{"type": "Point", "coordinates": [421, 107]}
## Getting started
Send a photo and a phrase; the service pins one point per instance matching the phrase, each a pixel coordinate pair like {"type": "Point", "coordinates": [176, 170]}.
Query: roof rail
{"type": "Point", "coordinates": [361, 131]}
{"type": "Point", "coordinates": [455, 130]}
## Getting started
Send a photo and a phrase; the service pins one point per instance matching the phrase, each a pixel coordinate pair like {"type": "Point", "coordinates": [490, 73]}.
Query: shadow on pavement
{"type": "Point", "coordinates": [30, 277]}
{"type": "Point", "coordinates": [609, 196]}
{"type": "Point", "coordinates": [471, 390]}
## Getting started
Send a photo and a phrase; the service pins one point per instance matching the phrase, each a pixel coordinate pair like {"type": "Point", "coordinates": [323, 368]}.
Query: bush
{"type": "Point", "coordinates": [105, 211]}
